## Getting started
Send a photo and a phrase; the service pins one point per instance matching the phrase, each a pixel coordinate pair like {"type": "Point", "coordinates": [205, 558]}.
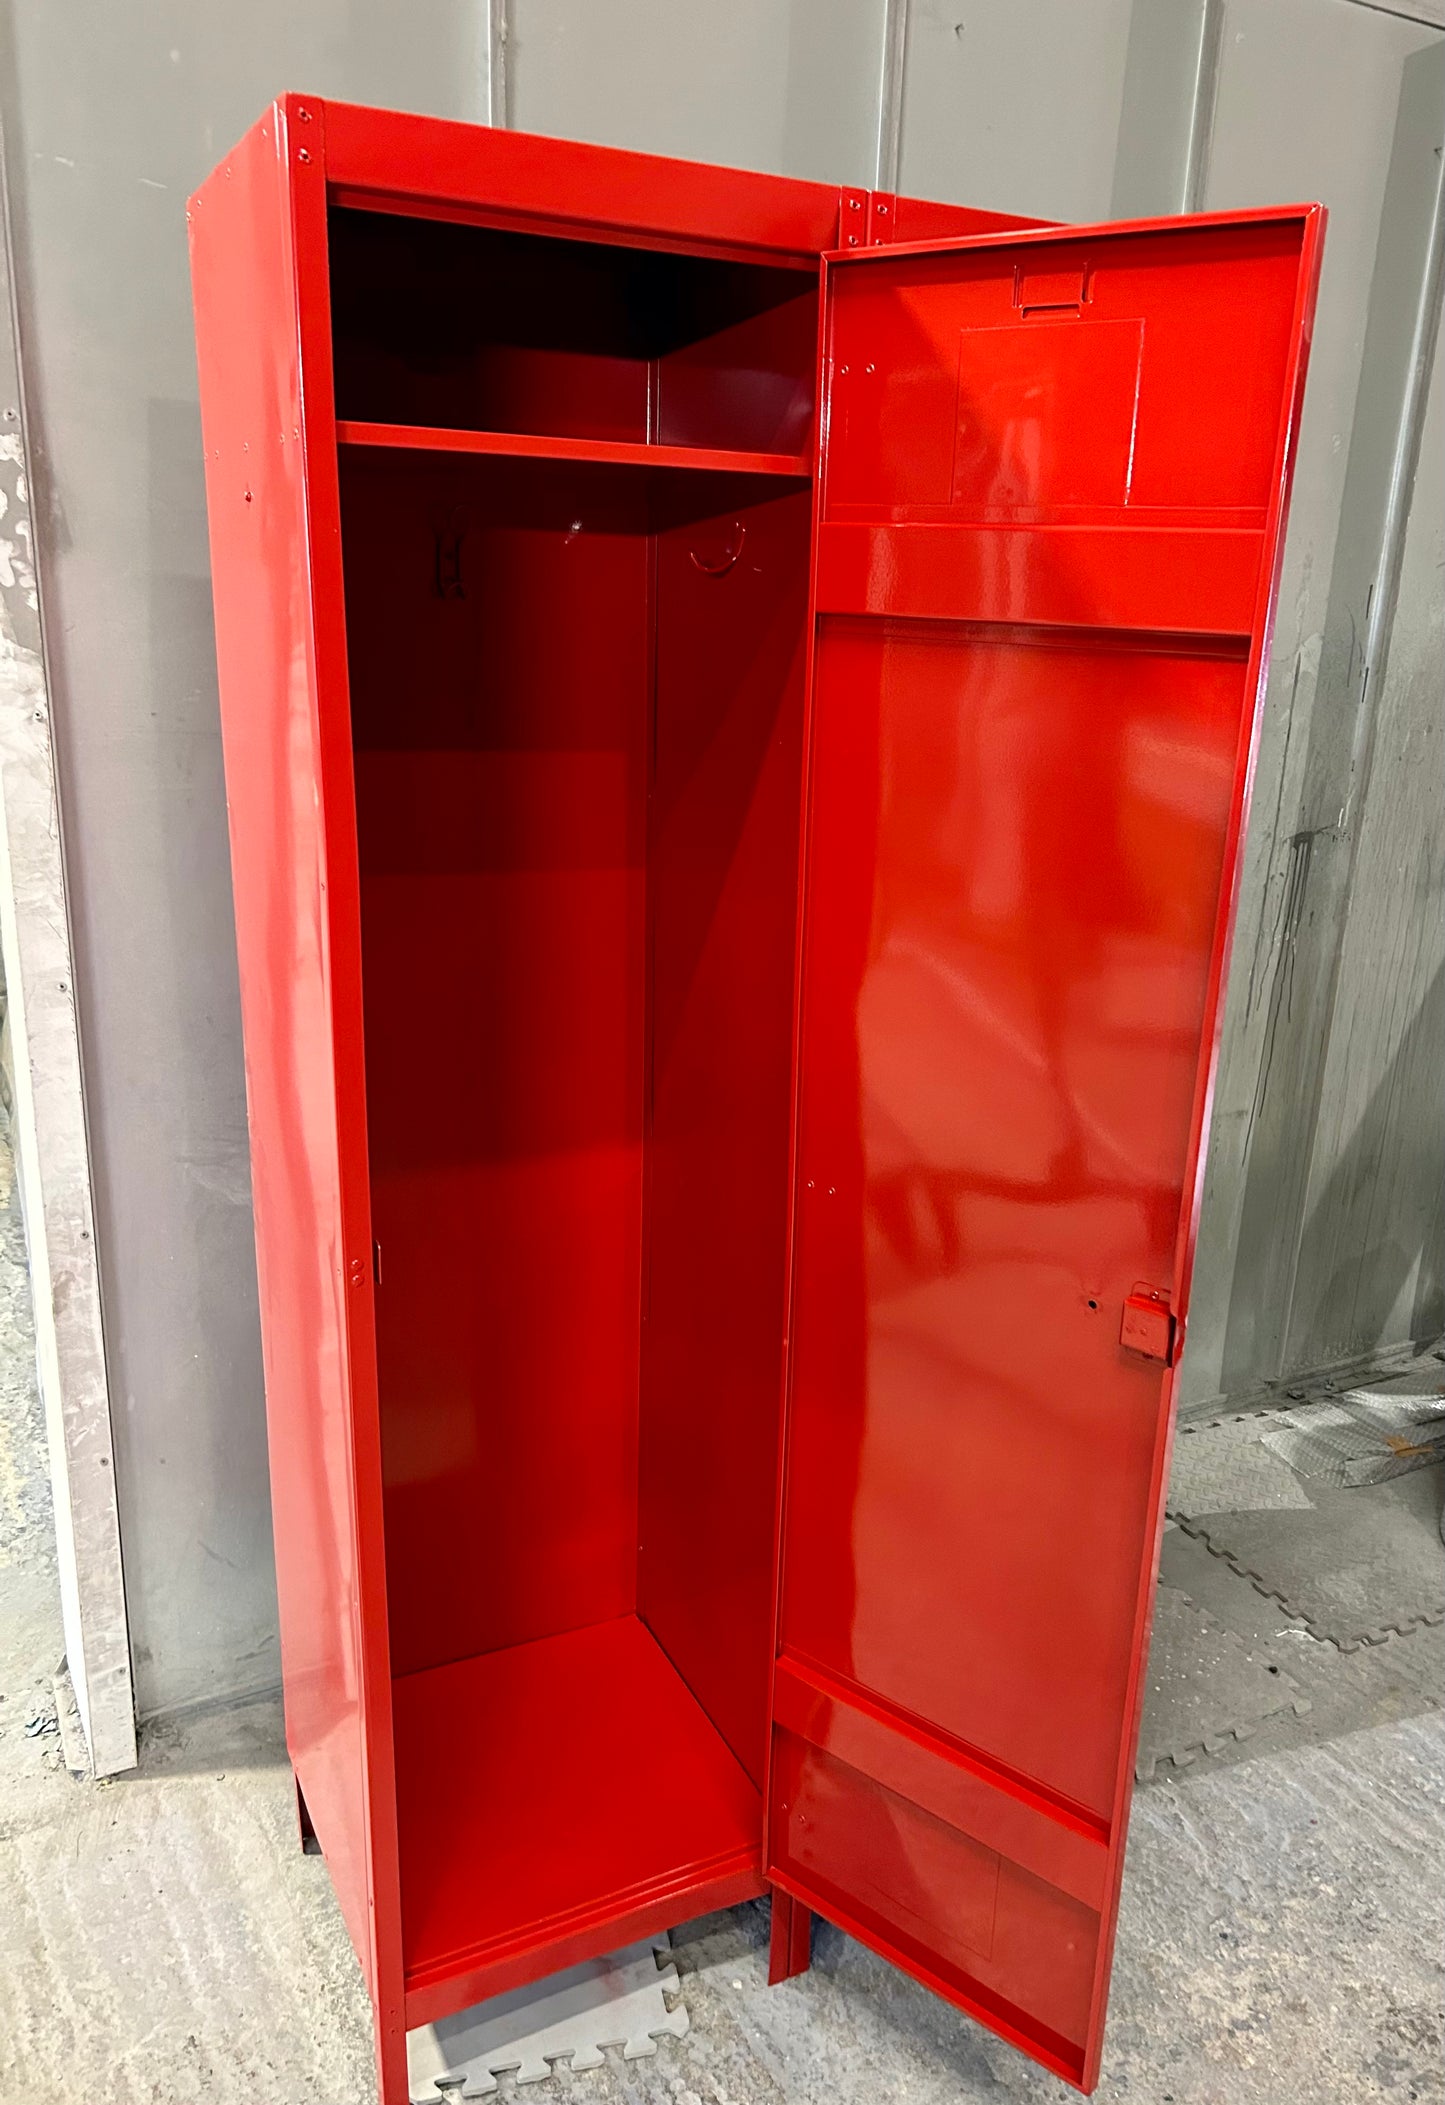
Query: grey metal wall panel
{"type": "Point", "coordinates": [1370, 1260]}
{"type": "Point", "coordinates": [1315, 99]}
{"type": "Point", "coordinates": [1015, 107]}
{"type": "Point", "coordinates": [1170, 63]}
{"type": "Point", "coordinates": [789, 86]}
{"type": "Point", "coordinates": [114, 115]}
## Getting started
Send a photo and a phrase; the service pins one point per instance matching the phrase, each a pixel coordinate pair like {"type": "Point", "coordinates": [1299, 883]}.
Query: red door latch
{"type": "Point", "coordinates": [1149, 1325]}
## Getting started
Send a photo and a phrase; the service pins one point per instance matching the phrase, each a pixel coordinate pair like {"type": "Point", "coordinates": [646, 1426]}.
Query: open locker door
{"type": "Point", "coordinates": [1054, 475]}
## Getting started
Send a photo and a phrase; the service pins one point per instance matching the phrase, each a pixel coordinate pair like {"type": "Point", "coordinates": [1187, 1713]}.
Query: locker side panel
{"type": "Point", "coordinates": [259, 277]}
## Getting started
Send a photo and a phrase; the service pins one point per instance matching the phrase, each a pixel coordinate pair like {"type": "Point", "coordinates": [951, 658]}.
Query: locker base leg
{"type": "Point", "coordinates": [309, 1844]}
{"type": "Point", "coordinates": [790, 1948]}
{"type": "Point", "coordinates": [392, 2086]}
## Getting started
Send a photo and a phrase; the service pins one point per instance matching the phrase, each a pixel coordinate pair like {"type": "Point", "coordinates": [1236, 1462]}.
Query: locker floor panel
{"type": "Point", "coordinates": [549, 1789]}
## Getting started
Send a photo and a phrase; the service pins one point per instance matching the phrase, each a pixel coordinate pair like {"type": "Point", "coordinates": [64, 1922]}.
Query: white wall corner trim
{"type": "Point", "coordinates": [52, 1152]}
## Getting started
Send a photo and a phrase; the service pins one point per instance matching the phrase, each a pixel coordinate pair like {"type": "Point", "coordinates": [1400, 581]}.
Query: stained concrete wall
{"type": "Point", "coordinates": [1072, 109]}
{"type": "Point", "coordinates": [1307, 1185]}
{"type": "Point", "coordinates": [114, 113]}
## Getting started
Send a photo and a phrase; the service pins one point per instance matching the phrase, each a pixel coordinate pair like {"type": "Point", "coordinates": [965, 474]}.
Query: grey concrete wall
{"type": "Point", "coordinates": [114, 114]}
{"type": "Point", "coordinates": [1068, 108]}
{"type": "Point", "coordinates": [1345, 103]}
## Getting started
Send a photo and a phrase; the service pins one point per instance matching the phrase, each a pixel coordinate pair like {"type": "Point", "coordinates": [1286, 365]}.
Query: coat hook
{"type": "Point", "coordinates": [719, 565]}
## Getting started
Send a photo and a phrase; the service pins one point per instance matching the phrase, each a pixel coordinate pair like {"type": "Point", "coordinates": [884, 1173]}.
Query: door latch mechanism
{"type": "Point", "coordinates": [1150, 1326]}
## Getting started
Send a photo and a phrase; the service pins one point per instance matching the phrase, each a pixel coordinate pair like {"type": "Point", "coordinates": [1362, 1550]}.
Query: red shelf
{"type": "Point", "coordinates": [521, 445]}
{"type": "Point", "coordinates": [547, 1793]}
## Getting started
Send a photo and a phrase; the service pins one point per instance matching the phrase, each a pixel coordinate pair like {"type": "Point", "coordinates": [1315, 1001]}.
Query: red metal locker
{"type": "Point", "coordinates": [738, 701]}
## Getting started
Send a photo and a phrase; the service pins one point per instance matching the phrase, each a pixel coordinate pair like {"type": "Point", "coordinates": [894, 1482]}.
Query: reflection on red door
{"type": "Point", "coordinates": [1048, 537]}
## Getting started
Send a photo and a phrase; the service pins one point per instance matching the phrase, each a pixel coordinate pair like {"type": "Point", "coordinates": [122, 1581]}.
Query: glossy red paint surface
{"type": "Point", "coordinates": [790, 1941]}
{"type": "Point", "coordinates": [257, 240]}
{"type": "Point", "coordinates": [420, 438]}
{"type": "Point", "coordinates": [723, 864]}
{"type": "Point", "coordinates": [538, 635]}
{"type": "Point", "coordinates": [544, 1834]}
{"type": "Point", "coordinates": [431, 166]}
{"type": "Point", "coordinates": [501, 798]}
{"type": "Point", "coordinates": [1026, 777]}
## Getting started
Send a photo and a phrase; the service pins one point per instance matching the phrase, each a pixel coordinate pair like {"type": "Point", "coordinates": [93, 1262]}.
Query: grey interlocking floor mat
{"type": "Point", "coordinates": [1205, 1686]}
{"type": "Point", "coordinates": [1358, 1567]}
{"type": "Point", "coordinates": [564, 2022]}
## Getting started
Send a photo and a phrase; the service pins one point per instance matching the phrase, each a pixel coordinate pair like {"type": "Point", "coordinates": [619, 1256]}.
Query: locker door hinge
{"type": "Point", "coordinates": [865, 218]}
{"type": "Point", "coordinates": [1150, 1326]}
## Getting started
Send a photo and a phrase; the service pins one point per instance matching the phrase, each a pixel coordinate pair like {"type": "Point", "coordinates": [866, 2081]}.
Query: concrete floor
{"type": "Point", "coordinates": [162, 1940]}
